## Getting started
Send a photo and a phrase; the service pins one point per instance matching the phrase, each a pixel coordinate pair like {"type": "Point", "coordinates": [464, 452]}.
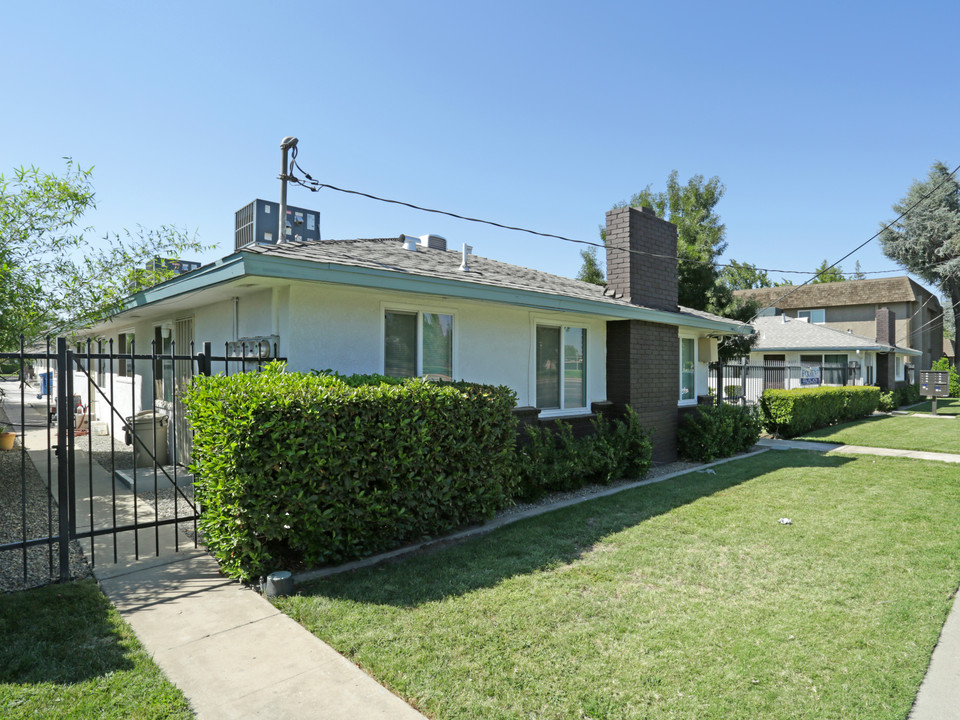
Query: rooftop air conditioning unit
{"type": "Point", "coordinates": [257, 224]}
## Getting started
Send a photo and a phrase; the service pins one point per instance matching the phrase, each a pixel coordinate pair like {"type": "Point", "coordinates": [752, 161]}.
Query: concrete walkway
{"type": "Point", "coordinates": [939, 695]}
{"type": "Point", "coordinates": [232, 653]}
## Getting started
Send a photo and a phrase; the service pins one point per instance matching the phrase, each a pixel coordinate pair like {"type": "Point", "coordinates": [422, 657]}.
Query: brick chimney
{"type": "Point", "coordinates": [649, 280]}
{"type": "Point", "coordinates": [886, 326]}
{"type": "Point", "coordinates": [886, 362]}
{"type": "Point", "coordinates": [643, 358]}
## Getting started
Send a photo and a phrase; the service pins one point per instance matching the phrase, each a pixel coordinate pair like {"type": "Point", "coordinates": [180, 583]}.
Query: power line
{"type": "Point", "coordinates": [863, 244]}
{"type": "Point", "coordinates": [314, 185]}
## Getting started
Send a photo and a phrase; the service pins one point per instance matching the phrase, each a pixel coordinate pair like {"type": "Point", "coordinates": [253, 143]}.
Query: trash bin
{"type": "Point", "coordinates": [139, 432]}
{"type": "Point", "coordinates": [46, 384]}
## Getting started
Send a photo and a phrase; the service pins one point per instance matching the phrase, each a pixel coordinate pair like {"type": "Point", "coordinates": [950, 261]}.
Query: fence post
{"type": "Point", "coordinates": [719, 383]}
{"type": "Point", "coordinates": [63, 470]}
{"type": "Point", "coordinates": [204, 363]}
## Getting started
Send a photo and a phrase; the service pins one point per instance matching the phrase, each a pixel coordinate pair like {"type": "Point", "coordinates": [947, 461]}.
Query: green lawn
{"type": "Point", "coordinates": [894, 431]}
{"type": "Point", "coordinates": [681, 599]}
{"type": "Point", "coordinates": [66, 653]}
{"type": "Point", "coordinates": [945, 406]}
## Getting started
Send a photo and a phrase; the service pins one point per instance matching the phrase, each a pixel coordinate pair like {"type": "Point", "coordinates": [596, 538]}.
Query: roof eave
{"type": "Point", "coordinates": [244, 264]}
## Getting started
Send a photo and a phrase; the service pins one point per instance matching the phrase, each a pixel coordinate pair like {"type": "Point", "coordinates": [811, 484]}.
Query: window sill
{"type": "Point", "coordinates": [687, 403]}
{"type": "Point", "coordinates": [568, 413]}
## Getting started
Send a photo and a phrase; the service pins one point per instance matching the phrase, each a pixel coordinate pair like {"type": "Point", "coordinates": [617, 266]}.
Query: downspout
{"type": "Point", "coordinates": [236, 319]}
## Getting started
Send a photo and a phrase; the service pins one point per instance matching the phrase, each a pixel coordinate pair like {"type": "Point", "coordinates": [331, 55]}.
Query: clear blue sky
{"type": "Point", "coordinates": [816, 116]}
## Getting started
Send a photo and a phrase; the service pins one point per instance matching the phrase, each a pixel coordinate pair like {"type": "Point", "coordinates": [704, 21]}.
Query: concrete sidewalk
{"type": "Point", "coordinates": [939, 694]}
{"type": "Point", "coordinates": [778, 444]}
{"type": "Point", "coordinates": [232, 653]}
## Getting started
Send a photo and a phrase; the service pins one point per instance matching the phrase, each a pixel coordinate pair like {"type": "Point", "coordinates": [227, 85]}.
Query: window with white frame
{"type": "Point", "coordinates": [688, 370]}
{"type": "Point", "coordinates": [417, 343]}
{"type": "Point", "coordinates": [899, 367]}
{"type": "Point", "coordinates": [561, 367]}
{"type": "Point", "coordinates": [814, 316]}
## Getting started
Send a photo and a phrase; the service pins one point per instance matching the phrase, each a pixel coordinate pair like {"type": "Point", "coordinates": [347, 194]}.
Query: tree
{"type": "Point", "coordinates": [926, 241]}
{"type": "Point", "coordinates": [700, 234]}
{"type": "Point", "coordinates": [828, 274]}
{"type": "Point", "coordinates": [949, 318]}
{"type": "Point", "coordinates": [858, 274]}
{"type": "Point", "coordinates": [700, 241]}
{"type": "Point", "coordinates": [744, 276]}
{"type": "Point", "coordinates": [52, 280]}
{"type": "Point", "coordinates": [591, 271]}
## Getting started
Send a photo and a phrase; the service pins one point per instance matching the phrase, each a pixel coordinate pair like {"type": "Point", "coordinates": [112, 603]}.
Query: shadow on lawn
{"type": "Point", "coordinates": [59, 634]}
{"type": "Point", "coordinates": [542, 542]}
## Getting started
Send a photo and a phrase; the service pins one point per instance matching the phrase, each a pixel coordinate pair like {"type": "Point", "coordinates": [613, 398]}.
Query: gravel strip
{"type": "Point", "coordinates": [588, 490]}
{"type": "Point", "coordinates": [43, 562]}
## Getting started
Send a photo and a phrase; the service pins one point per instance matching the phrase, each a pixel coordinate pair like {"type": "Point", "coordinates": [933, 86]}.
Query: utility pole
{"type": "Point", "coordinates": [285, 145]}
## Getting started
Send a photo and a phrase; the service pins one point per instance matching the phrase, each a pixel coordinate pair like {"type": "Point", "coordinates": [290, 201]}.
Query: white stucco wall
{"type": "Point", "coordinates": [342, 329]}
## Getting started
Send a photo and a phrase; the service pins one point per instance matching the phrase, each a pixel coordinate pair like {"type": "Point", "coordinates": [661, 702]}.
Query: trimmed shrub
{"type": "Point", "coordinates": [792, 412]}
{"type": "Point", "coordinates": [888, 401]}
{"type": "Point", "coordinates": [554, 461]}
{"type": "Point", "coordinates": [908, 395]}
{"type": "Point", "coordinates": [717, 431]}
{"type": "Point", "coordinates": [308, 468]}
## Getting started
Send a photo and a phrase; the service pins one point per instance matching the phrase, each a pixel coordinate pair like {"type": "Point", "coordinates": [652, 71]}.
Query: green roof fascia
{"type": "Point", "coordinates": [296, 269]}
{"type": "Point", "coordinates": [221, 271]}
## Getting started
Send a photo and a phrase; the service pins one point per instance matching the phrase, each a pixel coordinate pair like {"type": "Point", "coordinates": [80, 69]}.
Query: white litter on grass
{"type": "Point", "coordinates": [708, 471]}
{"type": "Point", "coordinates": [786, 521]}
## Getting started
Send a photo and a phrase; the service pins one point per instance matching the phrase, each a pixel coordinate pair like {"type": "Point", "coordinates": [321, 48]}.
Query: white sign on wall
{"type": "Point", "coordinates": [810, 375]}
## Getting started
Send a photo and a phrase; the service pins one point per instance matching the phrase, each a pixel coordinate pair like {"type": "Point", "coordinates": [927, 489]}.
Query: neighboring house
{"type": "Point", "coordinates": [791, 353]}
{"type": "Point", "coordinates": [852, 305]}
{"type": "Point", "coordinates": [411, 307]}
{"type": "Point", "coordinates": [950, 350]}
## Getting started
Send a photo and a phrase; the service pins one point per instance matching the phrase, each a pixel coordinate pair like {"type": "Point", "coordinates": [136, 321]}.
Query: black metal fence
{"type": "Point", "coordinates": [744, 383]}
{"type": "Point", "coordinates": [101, 455]}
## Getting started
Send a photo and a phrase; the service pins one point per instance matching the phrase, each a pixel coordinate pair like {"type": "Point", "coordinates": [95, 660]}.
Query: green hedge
{"type": "Point", "coordinates": [792, 412]}
{"type": "Point", "coordinates": [717, 431]}
{"type": "Point", "coordinates": [553, 461]}
{"type": "Point", "coordinates": [309, 468]}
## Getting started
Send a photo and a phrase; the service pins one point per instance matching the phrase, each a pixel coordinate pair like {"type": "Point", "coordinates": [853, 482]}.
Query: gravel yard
{"type": "Point", "coordinates": [41, 514]}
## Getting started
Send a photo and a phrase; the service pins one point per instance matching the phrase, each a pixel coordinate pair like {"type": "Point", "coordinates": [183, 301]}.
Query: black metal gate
{"type": "Point", "coordinates": [99, 469]}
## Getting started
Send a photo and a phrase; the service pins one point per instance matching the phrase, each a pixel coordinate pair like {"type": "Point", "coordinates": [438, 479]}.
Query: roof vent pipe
{"type": "Point", "coordinates": [467, 249]}
{"type": "Point", "coordinates": [409, 242]}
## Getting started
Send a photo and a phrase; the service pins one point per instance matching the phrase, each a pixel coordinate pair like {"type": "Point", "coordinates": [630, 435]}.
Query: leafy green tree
{"type": "Point", "coordinates": [591, 271]}
{"type": "Point", "coordinates": [700, 241]}
{"type": "Point", "coordinates": [744, 276]}
{"type": "Point", "coordinates": [701, 236]}
{"type": "Point", "coordinates": [858, 274]}
{"type": "Point", "coordinates": [949, 318]}
{"type": "Point", "coordinates": [54, 281]}
{"type": "Point", "coordinates": [828, 273]}
{"type": "Point", "coordinates": [926, 241]}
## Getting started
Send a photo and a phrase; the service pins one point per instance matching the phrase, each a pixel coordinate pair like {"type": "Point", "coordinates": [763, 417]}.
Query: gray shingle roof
{"type": "Point", "coordinates": [786, 333]}
{"type": "Point", "coordinates": [876, 291]}
{"type": "Point", "coordinates": [389, 254]}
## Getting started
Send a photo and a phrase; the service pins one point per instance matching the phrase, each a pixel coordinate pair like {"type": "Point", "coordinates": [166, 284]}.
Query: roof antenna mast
{"type": "Point", "coordinates": [285, 145]}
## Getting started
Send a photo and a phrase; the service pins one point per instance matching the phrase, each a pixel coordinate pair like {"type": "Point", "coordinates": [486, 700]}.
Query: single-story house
{"type": "Point", "coordinates": [852, 306]}
{"type": "Point", "coordinates": [410, 306]}
{"type": "Point", "coordinates": [790, 352]}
